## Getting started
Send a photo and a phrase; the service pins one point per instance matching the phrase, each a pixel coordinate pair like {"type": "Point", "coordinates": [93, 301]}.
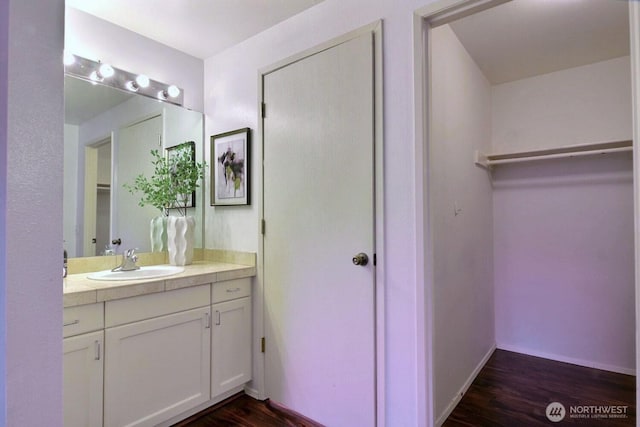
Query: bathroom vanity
{"type": "Point", "coordinates": [151, 352]}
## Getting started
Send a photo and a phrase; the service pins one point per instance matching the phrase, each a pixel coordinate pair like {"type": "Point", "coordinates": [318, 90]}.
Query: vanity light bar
{"type": "Point", "coordinates": [107, 75]}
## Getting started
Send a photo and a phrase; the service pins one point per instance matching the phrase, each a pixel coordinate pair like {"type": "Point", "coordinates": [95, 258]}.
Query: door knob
{"type": "Point", "coordinates": [360, 259]}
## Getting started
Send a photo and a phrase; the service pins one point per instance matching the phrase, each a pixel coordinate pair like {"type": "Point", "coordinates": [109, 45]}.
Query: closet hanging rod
{"type": "Point", "coordinates": [489, 160]}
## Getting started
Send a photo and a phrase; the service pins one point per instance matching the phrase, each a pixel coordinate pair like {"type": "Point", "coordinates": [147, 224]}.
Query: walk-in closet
{"type": "Point", "coordinates": [531, 189]}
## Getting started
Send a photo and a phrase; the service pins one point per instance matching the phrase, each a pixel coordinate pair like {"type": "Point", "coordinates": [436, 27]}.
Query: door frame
{"type": "Point", "coordinates": [86, 215]}
{"type": "Point", "coordinates": [258, 388]}
{"type": "Point", "coordinates": [634, 30]}
{"type": "Point", "coordinates": [438, 13]}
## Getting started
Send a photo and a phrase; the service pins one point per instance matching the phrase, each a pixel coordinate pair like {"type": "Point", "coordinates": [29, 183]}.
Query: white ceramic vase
{"type": "Point", "coordinates": [158, 228]}
{"type": "Point", "coordinates": [180, 239]}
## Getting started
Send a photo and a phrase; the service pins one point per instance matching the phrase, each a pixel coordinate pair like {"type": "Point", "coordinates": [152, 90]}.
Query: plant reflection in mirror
{"type": "Point", "coordinates": [176, 176]}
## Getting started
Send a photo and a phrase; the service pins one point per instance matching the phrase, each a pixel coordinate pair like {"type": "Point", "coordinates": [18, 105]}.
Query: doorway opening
{"type": "Point", "coordinates": [526, 120]}
{"type": "Point", "coordinates": [97, 185]}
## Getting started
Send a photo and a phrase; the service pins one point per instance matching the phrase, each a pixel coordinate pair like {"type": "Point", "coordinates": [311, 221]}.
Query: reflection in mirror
{"type": "Point", "coordinates": [108, 138]}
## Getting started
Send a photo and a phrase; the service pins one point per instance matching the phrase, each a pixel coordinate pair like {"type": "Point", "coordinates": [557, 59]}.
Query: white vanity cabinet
{"type": "Point", "coordinates": [83, 365]}
{"type": "Point", "coordinates": [231, 335]}
{"type": "Point", "coordinates": [150, 357]}
{"type": "Point", "coordinates": [157, 360]}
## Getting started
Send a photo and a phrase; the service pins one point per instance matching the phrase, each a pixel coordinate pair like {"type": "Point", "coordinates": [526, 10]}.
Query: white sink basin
{"type": "Point", "coordinates": [149, 272]}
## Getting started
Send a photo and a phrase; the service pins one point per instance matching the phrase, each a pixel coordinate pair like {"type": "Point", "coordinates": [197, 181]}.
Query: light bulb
{"type": "Point", "coordinates": [68, 58]}
{"type": "Point", "coordinates": [106, 70]}
{"type": "Point", "coordinates": [142, 80]}
{"type": "Point", "coordinates": [163, 95]}
{"type": "Point", "coordinates": [95, 76]}
{"type": "Point", "coordinates": [173, 91]}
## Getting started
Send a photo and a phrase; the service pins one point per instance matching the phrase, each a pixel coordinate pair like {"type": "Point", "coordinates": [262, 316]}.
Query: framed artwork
{"type": "Point", "coordinates": [184, 200]}
{"type": "Point", "coordinates": [230, 168]}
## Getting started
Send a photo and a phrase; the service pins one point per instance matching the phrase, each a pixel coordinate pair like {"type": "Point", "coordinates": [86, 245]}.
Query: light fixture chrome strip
{"type": "Point", "coordinates": [107, 75]}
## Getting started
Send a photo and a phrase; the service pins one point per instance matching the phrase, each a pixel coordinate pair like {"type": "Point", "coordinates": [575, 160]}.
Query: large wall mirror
{"type": "Point", "coordinates": [108, 135]}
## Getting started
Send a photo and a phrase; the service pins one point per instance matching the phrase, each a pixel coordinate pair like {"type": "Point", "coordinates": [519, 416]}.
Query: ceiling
{"type": "Point", "coordinates": [518, 39]}
{"type": "Point", "coordinates": [524, 38]}
{"type": "Point", "coordinates": [201, 28]}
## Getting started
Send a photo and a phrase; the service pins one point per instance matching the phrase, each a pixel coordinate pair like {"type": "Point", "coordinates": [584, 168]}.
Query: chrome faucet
{"type": "Point", "coordinates": [128, 261]}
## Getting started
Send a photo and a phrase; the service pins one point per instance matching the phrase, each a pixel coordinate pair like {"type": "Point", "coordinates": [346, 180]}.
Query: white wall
{"type": "Point", "coordinates": [231, 101]}
{"type": "Point", "coordinates": [462, 218]}
{"type": "Point", "coordinates": [31, 160]}
{"type": "Point", "coordinates": [564, 261]}
{"type": "Point", "coordinates": [96, 39]}
{"type": "Point", "coordinates": [564, 268]}
{"type": "Point", "coordinates": [591, 103]}
{"type": "Point", "coordinates": [4, 170]}
{"type": "Point", "coordinates": [4, 196]}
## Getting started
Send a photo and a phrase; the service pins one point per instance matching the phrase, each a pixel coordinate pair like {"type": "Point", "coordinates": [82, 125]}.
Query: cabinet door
{"type": "Point", "coordinates": [157, 368]}
{"type": "Point", "coordinates": [231, 345]}
{"type": "Point", "coordinates": [82, 365]}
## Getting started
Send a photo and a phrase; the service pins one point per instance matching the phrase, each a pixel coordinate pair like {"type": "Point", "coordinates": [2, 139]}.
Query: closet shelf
{"type": "Point", "coordinates": [487, 161]}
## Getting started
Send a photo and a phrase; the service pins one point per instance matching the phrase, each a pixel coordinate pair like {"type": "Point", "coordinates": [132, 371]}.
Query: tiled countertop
{"type": "Point", "coordinates": [78, 289]}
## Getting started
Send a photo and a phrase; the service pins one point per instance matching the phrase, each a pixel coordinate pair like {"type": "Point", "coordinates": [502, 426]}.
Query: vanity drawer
{"type": "Point", "coordinates": [82, 318]}
{"type": "Point", "coordinates": [127, 310]}
{"type": "Point", "coordinates": [231, 289]}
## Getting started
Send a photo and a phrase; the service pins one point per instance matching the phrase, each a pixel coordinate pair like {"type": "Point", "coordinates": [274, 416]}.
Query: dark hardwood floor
{"type": "Point", "coordinates": [512, 390]}
{"type": "Point", "coordinates": [242, 410]}
{"type": "Point", "coordinates": [515, 389]}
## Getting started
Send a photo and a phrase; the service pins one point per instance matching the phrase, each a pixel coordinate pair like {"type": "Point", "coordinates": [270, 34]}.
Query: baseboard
{"type": "Point", "coordinates": [454, 402]}
{"type": "Point", "coordinates": [200, 407]}
{"type": "Point", "coordinates": [252, 392]}
{"type": "Point", "coordinates": [573, 361]}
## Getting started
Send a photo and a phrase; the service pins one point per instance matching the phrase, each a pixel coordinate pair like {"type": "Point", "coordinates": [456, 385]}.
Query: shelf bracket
{"type": "Point", "coordinates": [480, 159]}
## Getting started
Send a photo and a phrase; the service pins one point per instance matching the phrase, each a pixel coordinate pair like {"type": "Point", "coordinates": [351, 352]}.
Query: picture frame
{"type": "Point", "coordinates": [190, 201]}
{"type": "Point", "coordinates": [230, 168]}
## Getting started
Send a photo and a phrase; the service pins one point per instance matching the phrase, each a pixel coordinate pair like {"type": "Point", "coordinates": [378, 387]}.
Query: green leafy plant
{"type": "Point", "coordinates": [176, 176]}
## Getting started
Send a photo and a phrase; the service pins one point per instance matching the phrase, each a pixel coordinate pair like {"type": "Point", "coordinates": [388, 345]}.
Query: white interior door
{"type": "Point", "coordinates": [319, 213]}
{"type": "Point", "coordinates": [130, 222]}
